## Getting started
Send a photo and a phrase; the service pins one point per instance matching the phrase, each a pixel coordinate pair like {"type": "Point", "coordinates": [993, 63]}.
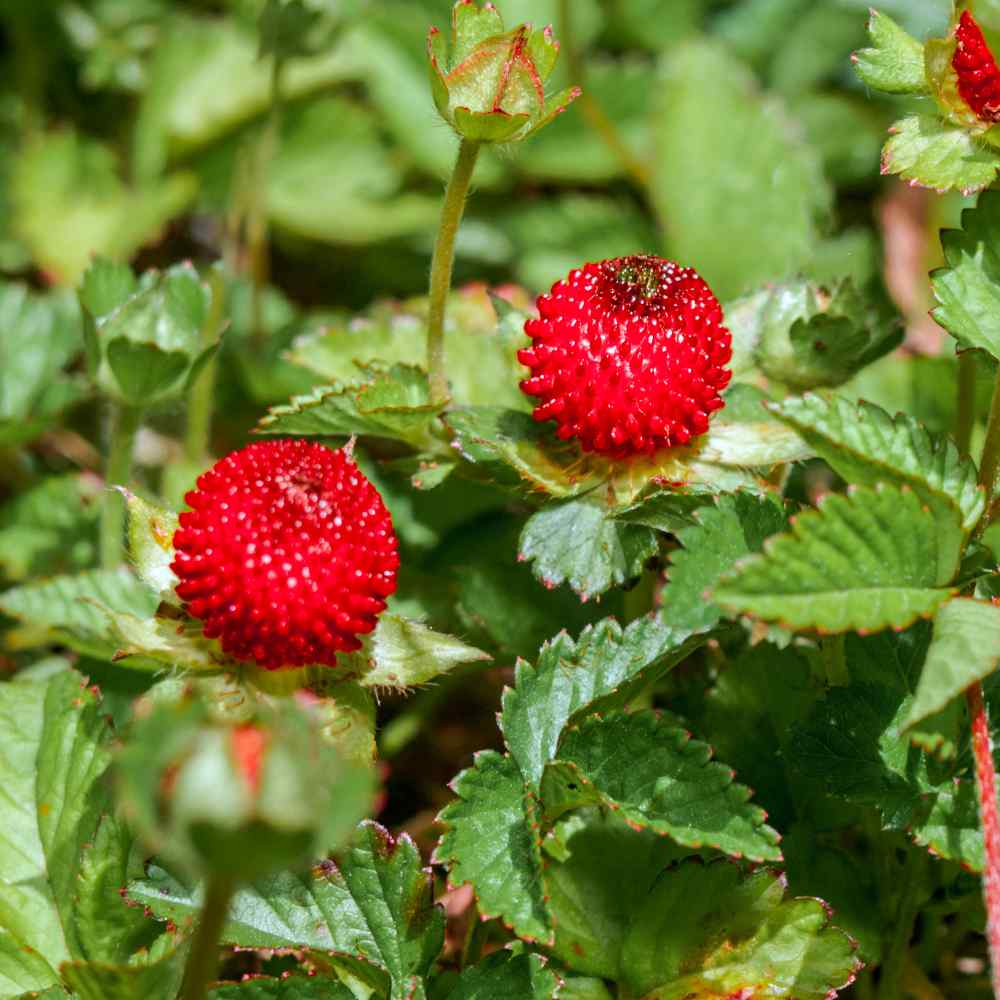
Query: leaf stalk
{"type": "Point", "coordinates": [203, 960]}
{"type": "Point", "coordinates": [125, 421]}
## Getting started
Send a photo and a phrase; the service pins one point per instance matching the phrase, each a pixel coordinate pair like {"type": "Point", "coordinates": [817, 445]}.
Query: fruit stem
{"type": "Point", "coordinates": [442, 264]}
{"type": "Point", "coordinates": [602, 125]}
{"type": "Point", "coordinates": [125, 422]}
{"type": "Point", "coordinates": [203, 960]}
{"type": "Point", "coordinates": [966, 403]}
{"type": "Point", "coordinates": [201, 396]}
{"type": "Point", "coordinates": [986, 785]}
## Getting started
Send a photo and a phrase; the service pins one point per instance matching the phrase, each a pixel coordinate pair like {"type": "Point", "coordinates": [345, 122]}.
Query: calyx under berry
{"type": "Point", "coordinates": [489, 85]}
{"type": "Point", "coordinates": [287, 554]}
{"type": "Point", "coordinates": [628, 356]}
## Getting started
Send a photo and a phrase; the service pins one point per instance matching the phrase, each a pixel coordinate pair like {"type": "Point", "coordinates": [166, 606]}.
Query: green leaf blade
{"type": "Point", "coordinates": [894, 64]}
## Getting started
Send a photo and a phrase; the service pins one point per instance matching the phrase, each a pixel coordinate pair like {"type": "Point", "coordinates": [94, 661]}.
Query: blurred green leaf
{"type": "Point", "coordinates": [720, 144]}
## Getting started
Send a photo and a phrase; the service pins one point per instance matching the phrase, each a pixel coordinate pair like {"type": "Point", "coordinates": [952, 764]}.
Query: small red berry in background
{"type": "Point", "coordinates": [978, 74]}
{"type": "Point", "coordinates": [628, 355]}
{"type": "Point", "coordinates": [287, 554]}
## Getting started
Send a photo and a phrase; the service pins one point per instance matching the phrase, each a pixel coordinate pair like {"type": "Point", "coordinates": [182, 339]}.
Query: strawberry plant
{"type": "Point", "coordinates": [617, 616]}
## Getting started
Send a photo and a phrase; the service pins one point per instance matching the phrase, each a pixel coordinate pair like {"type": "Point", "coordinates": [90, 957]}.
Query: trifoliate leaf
{"type": "Point", "coordinates": [864, 445]}
{"type": "Point", "coordinates": [738, 935]}
{"type": "Point", "coordinates": [967, 288]}
{"type": "Point", "coordinates": [653, 775]}
{"type": "Point", "coordinates": [871, 560]}
{"type": "Point", "coordinates": [492, 841]}
{"type": "Point", "coordinates": [601, 669]}
{"type": "Point", "coordinates": [895, 62]}
{"type": "Point", "coordinates": [577, 543]}
{"type": "Point", "coordinates": [374, 904]}
{"type": "Point", "coordinates": [722, 533]}
{"type": "Point", "coordinates": [965, 649]}
{"type": "Point", "coordinates": [929, 152]}
{"type": "Point", "coordinates": [390, 403]}
{"type": "Point", "coordinates": [502, 976]}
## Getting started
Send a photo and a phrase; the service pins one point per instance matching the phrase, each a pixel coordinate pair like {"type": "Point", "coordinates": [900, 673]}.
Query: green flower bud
{"type": "Point", "coordinates": [144, 335]}
{"type": "Point", "coordinates": [490, 84]}
{"type": "Point", "coordinates": [238, 800]}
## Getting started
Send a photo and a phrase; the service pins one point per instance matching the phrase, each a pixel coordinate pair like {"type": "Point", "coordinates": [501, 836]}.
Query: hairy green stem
{"type": "Point", "coordinates": [898, 947]}
{"type": "Point", "coordinates": [442, 264]}
{"type": "Point", "coordinates": [202, 395]}
{"type": "Point", "coordinates": [203, 959]}
{"type": "Point", "coordinates": [965, 416]}
{"type": "Point", "coordinates": [125, 422]}
{"type": "Point", "coordinates": [596, 118]}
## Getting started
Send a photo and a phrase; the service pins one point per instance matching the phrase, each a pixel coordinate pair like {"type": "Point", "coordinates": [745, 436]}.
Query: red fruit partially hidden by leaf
{"type": "Point", "coordinates": [287, 554]}
{"type": "Point", "coordinates": [978, 74]}
{"type": "Point", "coordinates": [628, 355]}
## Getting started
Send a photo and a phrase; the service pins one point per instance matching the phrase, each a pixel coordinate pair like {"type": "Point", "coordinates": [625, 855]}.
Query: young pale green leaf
{"type": "Point", "coordinates": [865, 446]}
{"type": "Point", "coordinates": [503, 976]}
{"type": "Point", "coordinates": [601, 669]}
{"type": "Point", "coordinates": [929, 152]}
{"type": "Point", "coordinates": [576, 542]}
{"type": "Point", "coordinates": [289, 988]}
{"type": "Point", "coordinates": [711, 111]}
{"type": "Point", "coordinates": [491, 840]}
{"type": "Point", "coordinates": [738, 936]}
{"type": "Point", "coordinates": [722, 533]}
{"type": "Point", "coordinates": [57, 750]}
{"type": "Point", "coordinates": [402, 654]}
{"type": "Point", "coordinates": [967, 288]}
{"type": "Point", "coordinates": [151, 545]}
{"type": "Point", "coordinates": [654, 775]}
{"type": "Point", "coordinates": [390, 403]}
{"type": "Point", "coordinates": [68, 608]}
{"type": "Point", "coordinates": [373, 904]}
{"type": "Point", "coordinates": [158, 980]}
{"type": "Point", "coordinates": [871, 560]}
{"type": "Point", "coordinates": [895, 62]}
{"type": "Point", "coordinates": [965, 649]}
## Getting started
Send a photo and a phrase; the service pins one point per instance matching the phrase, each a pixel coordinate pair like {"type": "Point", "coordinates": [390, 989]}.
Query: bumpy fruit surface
{"type": "Point", "coordinates": [288, 554]}
{"type": "Point", "coordinates": [977, 71]}
{"type": "Point", "coordinates": [628, 355]}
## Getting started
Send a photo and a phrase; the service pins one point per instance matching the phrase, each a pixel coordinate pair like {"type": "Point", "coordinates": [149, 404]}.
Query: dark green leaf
{"type": "Point", "coordinates": [290, 988]}
{"type": "Point", "coordinates": [502, 976]}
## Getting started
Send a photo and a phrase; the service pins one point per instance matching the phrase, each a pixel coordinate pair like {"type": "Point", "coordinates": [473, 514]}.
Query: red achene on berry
{"type": "Point", "coordinates": [287, 554]}
{"type": "Point", "coordinates": [628, 355]}
{"type": "Point", "coordinates": [978, 74]}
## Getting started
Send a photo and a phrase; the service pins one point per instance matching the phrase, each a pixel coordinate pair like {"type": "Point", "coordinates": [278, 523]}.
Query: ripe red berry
{"type": "Point", "coordinates": [287, 554]}
{"type": "Point", "coordinates": [978, 74]}
{"type": "Point", "coordinates": [628, 355]}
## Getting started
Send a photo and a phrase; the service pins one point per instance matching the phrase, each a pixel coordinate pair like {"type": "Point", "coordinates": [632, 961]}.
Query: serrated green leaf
{"type": "Point", "coordinates": [159, 980]}
{"type": "Point", "coordinates": [927, 151]}
{"type": "Point", "coordinates": [289, 988]}
{"type": "Point", "coordinates": [952, 828]}
{"type": "Point", "coordinates": [895, 62]}
{"type": "Point", "coordinates": [967, 289]}
{"type": "Point", "coordinates": [666, 510]}
{"type": "Point", "coordinates": [401, 654]}
{"type": "Point", "coordinates": [864, 445]}
{"type": "Point", "coordinates": [390, 403]}
{"type": "Point", "coordinates": [373, 904]}
{"type": "Point", "coordinates": [502, 976]}
{"type": "Point", "coordinates": [491, 840]}
{"type": "Point", "coordinates": [63, 608]}
{"type": "Point", "coordinates": [601, 669]}
{"type": "Point", "coordinates": [57, 750]}
{"type": "Point", "coordinates": [965, 649]}
{"type": "Point", "coordinates": [151, 545]}
{"type": "Point", "coordinates": [871, 560]}
{"type": "Point", "coordinates": [722, 533]}
{"type": "Point", "coordinates": [711, 111]}
{"type": "Point", "coordinates": [738, 935]}
{"type": "Point", "coordinates": [654, 775]}
{"type": "Point", "coordinates": [577, 543]}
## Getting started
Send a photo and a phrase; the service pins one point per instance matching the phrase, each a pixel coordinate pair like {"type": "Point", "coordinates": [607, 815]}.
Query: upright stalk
{"type": "Point", "coordinates": [203, 960]}
{"type": "Point", "coordinates": [442, 264]}
{"type": "Point", "coordinates": [989, 463]}
{"type": "Point", "coordinates": [125, 422]}
{"type": "Point", "coordinates": [966, 402]}
{"type": "Point", "coordinates": [898, 949]}
{"type": "Point", "coordinates": [201, 396]}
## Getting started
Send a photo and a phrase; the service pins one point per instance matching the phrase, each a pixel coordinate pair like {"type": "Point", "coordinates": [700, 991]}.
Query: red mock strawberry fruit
{"type": "Point", "coordinates": [287, 554]}
{"type": "Point", "coordinates": [977, 71]}
{"type": "Point", "coordinates": [628, 355]}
